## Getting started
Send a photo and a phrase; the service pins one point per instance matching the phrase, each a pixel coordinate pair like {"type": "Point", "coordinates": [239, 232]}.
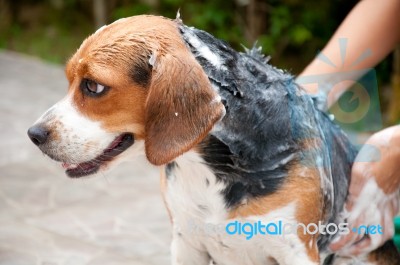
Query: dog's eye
{"type": "Point", "coordinates": [94, 87]}
{"type": "Point", "coordinates": [91, 88]}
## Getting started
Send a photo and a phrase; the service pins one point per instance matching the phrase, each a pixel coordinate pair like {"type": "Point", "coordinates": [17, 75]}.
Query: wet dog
{"type": "Point", "coordinates": [238, 142]}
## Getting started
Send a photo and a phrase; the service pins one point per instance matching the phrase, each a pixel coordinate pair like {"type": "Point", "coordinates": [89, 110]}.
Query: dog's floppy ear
{"type": "Point", "coordinates": [181, 107]}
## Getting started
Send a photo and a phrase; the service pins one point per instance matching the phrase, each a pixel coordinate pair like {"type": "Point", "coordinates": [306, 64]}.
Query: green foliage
{"type": "Point", "coordinates": [55, 28]}
{"type": "Point", "coordinates": [46, 31]}
{"type": "Point", "coordinates": [212, 16]}
{"type": "Point", "coordinates": [294, 29]}
{"type": "Point", "coordinates": [130, 9]}
{"type": "Point", "coordinates": [297, 28]}
{"type": "Point", "coordinates": [299, 34]}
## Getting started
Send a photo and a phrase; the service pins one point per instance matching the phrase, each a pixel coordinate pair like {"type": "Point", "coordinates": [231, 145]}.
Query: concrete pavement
{"type": "Point", "coordinates": [48, 219]}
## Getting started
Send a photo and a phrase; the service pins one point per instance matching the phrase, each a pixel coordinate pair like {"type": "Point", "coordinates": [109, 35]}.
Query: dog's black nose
{"type": "Point", "coordinates": [38, 134]}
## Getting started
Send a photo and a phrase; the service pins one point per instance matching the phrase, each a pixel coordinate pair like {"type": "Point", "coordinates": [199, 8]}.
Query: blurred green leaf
{"type": "Point", "coordinates": [130, 10]}
{"type": "Point", "coordinates": [299, 34]}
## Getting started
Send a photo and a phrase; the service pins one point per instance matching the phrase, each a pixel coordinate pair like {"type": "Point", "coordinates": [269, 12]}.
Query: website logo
{"type": "Point", "coordinates": [280, 228]}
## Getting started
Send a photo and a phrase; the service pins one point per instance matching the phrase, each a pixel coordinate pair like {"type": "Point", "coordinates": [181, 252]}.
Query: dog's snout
{"type": "Point", "coordinates": [38, 134]}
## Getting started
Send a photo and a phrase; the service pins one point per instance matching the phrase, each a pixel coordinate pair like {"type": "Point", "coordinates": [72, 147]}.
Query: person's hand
{"type": "Point", "coordinates": [373, 194]}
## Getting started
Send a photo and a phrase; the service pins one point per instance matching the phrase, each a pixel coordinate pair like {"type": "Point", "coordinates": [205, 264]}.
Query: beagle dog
{"type": "Point", "coordinates": [242, 149]}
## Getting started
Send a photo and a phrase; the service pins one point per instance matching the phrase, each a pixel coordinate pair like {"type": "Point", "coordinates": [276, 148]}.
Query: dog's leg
{"type": "Point", "coordinates": [290, 260]}
{"type": "Point", "coordinates": [185, 253]}
{"type": "Point", "coordinates": [297, 260]}
{"type": "Point", "coordinates": [291, 254]}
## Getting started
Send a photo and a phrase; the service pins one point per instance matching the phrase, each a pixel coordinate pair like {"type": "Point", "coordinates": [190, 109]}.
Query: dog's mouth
{"type": "Point", "coordinates": [119, 145]}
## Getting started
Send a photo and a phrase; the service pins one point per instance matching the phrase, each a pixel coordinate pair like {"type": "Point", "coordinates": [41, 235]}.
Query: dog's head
{"type": "Point", "coordinates": [132, 84]}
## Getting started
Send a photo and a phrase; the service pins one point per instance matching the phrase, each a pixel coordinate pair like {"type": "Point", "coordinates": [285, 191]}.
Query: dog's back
{"type": "Point", "coordinates": [277, 119]}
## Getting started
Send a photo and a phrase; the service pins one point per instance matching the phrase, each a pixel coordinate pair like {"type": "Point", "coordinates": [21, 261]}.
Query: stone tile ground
{"type": "Point", "coordinates": [116, 218]}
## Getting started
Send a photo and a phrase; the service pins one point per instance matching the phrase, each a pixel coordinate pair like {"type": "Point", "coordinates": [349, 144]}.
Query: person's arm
{"type": "Point", "coordinates": [374, 189]}
{"type": "Point", "coordinates": [371, 27]}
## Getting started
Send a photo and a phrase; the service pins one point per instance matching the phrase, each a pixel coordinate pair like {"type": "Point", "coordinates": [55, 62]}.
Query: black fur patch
{"type": "Point", "coordinates": [141, 73]}
{"type": "Point", "coordinates": [169, 169]}
{"type": "Point", "coordinates": [242, 181]}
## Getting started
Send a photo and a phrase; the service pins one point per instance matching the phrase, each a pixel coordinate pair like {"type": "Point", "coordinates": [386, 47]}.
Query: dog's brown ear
{"type": "Point", "coordinates": [181, 107]}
